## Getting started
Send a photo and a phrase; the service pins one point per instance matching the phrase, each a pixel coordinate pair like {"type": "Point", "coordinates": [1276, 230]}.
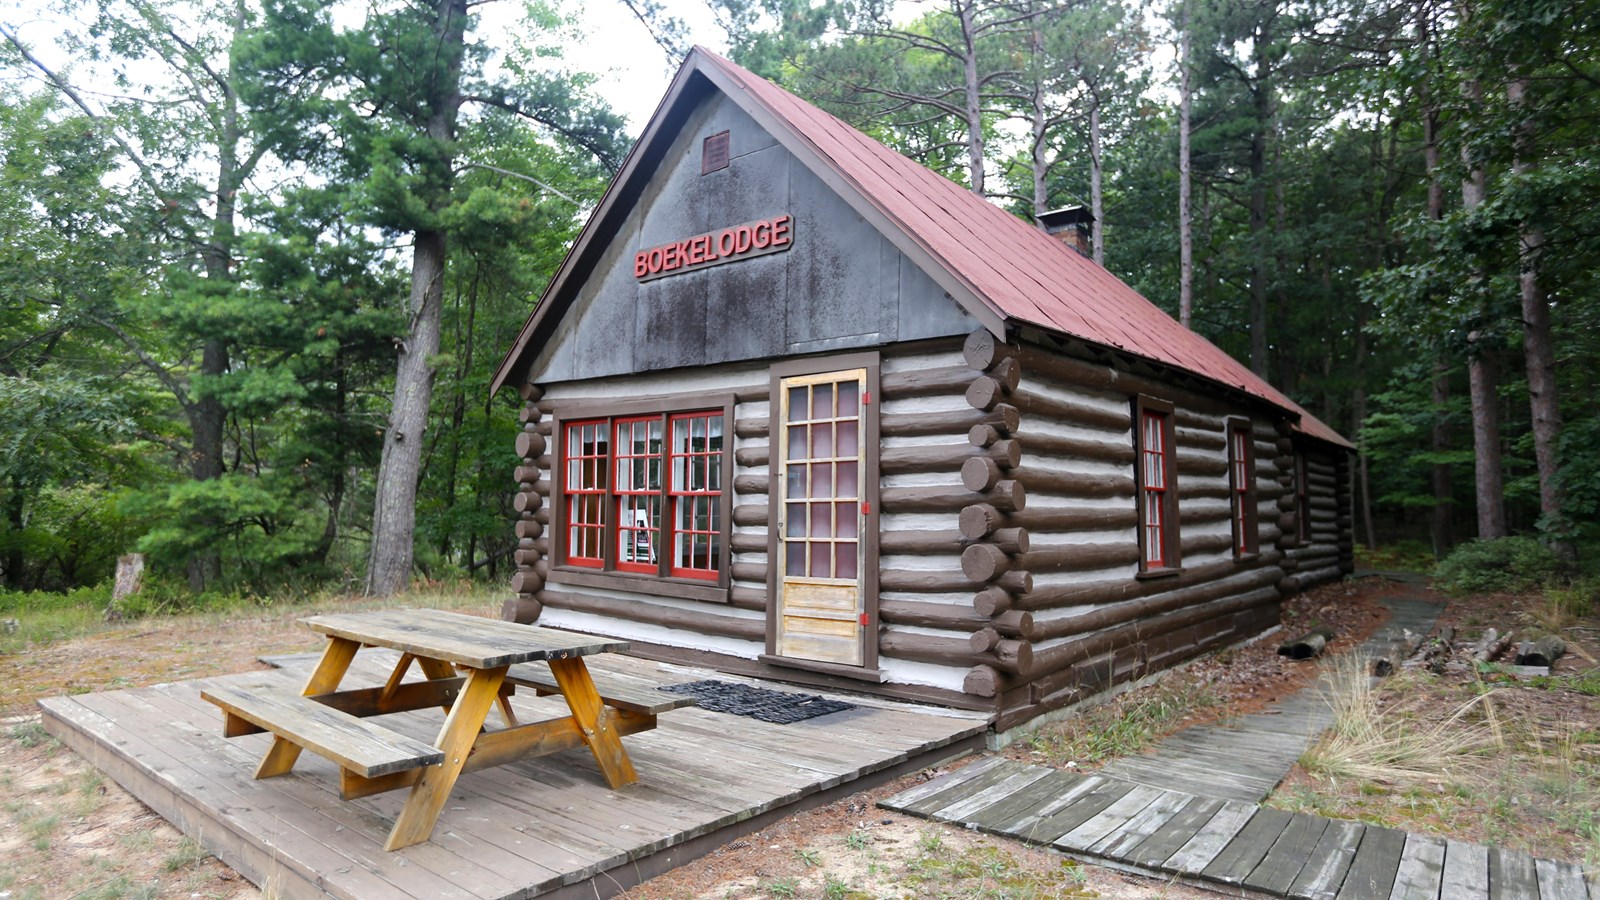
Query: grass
{"type": "Point", "coordinates": [1125, 725]}
{"type": "Point", "coordinates": [990, 872]}
{"type": "Point", "coordinates": [44, 618]}
{"type": "Point", "coordinates": [1381, 744]}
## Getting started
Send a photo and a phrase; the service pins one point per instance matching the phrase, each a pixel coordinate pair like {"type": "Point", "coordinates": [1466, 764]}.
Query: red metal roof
{"type": "Point", "coordinates": [1016, 271]}
{"type": "Point", "coordinates": [1023, 273]}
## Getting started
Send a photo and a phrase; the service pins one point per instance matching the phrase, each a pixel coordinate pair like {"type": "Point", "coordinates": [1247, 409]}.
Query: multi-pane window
{"type": "Point", "coordinates": [588, 459]}
{"type": "Point", "coordinates": [821, 477]}
{"type": "Point", "coordinates": [696, 493]}
{"type": "Point", "coordinates": [643, 494]}
{"type": "Point", "coordinates": [1158, 496]}
{"type": "Point", "coordinates": [1241, 487]}
{"type": "Point", "coordinates": [1302, 500]}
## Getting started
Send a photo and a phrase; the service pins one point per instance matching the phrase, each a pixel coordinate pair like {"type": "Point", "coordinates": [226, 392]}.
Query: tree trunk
{"type": "Point", "coordinates": [1185, 176]}
{"type": "Point", "coordinates": [1258, 204]}
{"type": "Point", "coordinates": [974, 107]}
{"type": "Point", "coordinates": [1439, 523]}
{"type": "Point", "coordinates": [1490, 485]}
{"type": "Point", "coordinates": [1439, 526]}
{"type": "Point", "coordinates": [1097, 206]}
{"type": "Point", "coordinates": [1537, 345]}
{"type": "Point", "coordinates": [15, 520]}
{"type": "Point", "coordinates": [1038, 127]}
{"type": "Point", "coordinates": [394, 512]}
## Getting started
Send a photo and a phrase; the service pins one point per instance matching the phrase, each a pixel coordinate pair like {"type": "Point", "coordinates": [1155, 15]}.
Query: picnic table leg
{"type": "Point", "coordinates": [594, 720]}
{"type": "Point", "coordinates": [436, 669]}
{"type": "Point", "coordinates": [336, 659]}
{"type": "Point", "coordinates": [434, 783]}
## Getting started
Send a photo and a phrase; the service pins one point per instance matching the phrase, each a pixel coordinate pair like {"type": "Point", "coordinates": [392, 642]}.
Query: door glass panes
{"type": "Point", "coordinates": [638, 493]}
{"type": "Point", "coordinates": [822, 478]}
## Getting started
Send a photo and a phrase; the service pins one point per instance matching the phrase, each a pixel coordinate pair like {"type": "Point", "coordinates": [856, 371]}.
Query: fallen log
{"type": "Point", "coordinates": [1429, 653]}
{"type": "Point", "coordinates": [1307, 646]}
{"type": "Point", "coordinates": [1543, 652]}
{"type": "Point", "coordinates": [1492, 644]}
{"type": "Point", "coordinates": [1397, 651]}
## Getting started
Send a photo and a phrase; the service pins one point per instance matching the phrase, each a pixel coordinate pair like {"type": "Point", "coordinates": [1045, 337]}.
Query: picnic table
{"type": "Point", "coordinates": [470, 665]}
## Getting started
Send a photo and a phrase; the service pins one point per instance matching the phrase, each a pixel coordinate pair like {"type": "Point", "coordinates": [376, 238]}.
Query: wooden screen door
{"type": "Point", "coordinates": [820, 609]}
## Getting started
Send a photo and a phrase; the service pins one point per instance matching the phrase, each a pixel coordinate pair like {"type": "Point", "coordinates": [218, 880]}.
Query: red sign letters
{"type": "Point", "coordinates": [714, 248]}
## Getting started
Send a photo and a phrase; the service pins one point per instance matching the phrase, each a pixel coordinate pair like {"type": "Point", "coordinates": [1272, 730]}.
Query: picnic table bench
{"type": "Point", "coordinates": [373, 759]}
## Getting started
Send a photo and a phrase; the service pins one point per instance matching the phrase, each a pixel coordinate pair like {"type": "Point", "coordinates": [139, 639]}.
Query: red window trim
{"type": "Point", "coordinates": [677, 497]}
{"type": "Point", "coordinates": [618, 495]}
{"type": "Point", "coordinates": [1157, 506]}
{"type": "Point", "coordinates": [607, 572]}
{"type": "Point", "coordinates": [1242, 489]}
{"type": "Point", "coordinates": [1302, 497]}
{"type": "Point", "coordinates": [569, 508]}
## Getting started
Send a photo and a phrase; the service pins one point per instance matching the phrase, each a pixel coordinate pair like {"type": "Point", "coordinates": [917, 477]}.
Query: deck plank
{"type": "Point", "coordinates": [1212, 838]}
{"type": "Point", "coordinates": [1328, 862]}
{"type": "Point", "coordinates": [995, 818]}
{"type": "Point", "coordinates": [1084, 807]}
{"type": "Point", "coordinates": [1511, 875]}
{"type": "Point", "coordinates": [1129, 834]}
{"type": "Point", "coordinates": [1466, 871]}
{"type": "Point", "coordinates": [1421, 869]}
{"type": "Point", "coordinates": [1377, 859]}
{"type": "Point", "coordinates": [1101, 825]}
{"type": "Point", "coordinates": [1560, 880]}
{"type": "Point", "coordinates": [1248, 848]}
{"type": "Point", "coordinates": [1282, 865]}
{"type": "Point", "coordinates": [1153, 851]}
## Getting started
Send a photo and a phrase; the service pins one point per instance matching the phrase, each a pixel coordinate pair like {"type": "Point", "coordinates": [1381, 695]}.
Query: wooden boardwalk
{"type": "Point", "coordinates": [543, 826]}
{"type": "Point", "coordinates": [1244, 758]}
{"type": "Point", "coordinates": [1211, 840]}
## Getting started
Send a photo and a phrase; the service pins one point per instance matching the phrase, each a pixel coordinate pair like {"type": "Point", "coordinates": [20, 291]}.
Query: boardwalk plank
{"type": "Point", "coordinates": [1019, 781]}
{"type": "Point", "coordinates": [1246, 850]}
{"type": "Point", "coordinates": [1093, 829]}
{"type": "Point", "coordinates": [1278, 870]}
{"type": "Point", "coordinates": [1026, 825]}
{"type": "Point", "coordinates": [1466, 871]}
{"type": "Point", "coordinates": [1421, 869]}
{"type": "Point", "coordinates": [994, 819]}
{"type": "Point", "coordinates": [966, 788]}
{"type": "Point", "coordinates": [1149, 820]}
{"type": "Point", "coordinates": [1560, 880]}
{"type": "Point", "coordinates": [899, 802]}
{"type": "Point", "coordinates": [1511, 875]}
{"type": "Point", "coordinates": [1328, 862]}
{"type": "Point", "coordinates": [1085, 807]}
{"type": "Point", "coordinates": [1210, 840]}
{"type": "Point", "coordinates": [1153, 851]}
{"type": "Point", "coordinates": [1372, 871]}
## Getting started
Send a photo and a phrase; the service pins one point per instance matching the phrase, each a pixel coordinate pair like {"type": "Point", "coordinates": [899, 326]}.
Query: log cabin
{"type": "Point", "coordinates": [799, 407]}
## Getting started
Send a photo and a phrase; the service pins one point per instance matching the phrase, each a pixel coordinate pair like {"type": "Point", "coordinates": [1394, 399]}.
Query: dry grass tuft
{"type": "Point", "coordinates": [1388, 743]}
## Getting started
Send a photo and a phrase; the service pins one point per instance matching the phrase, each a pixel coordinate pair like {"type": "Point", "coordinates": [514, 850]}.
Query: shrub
{"type": "Point", "coordinates": [1502, 564]}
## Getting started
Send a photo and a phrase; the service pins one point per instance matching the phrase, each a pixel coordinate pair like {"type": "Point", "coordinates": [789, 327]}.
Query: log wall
{"type": "Point", "coordinates": [1092, 619]}
{"type": "Point", "coordinates": [1009, 556]}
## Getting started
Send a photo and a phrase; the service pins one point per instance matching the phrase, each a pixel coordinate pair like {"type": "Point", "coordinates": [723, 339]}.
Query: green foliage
{"type": "Point", "coordinates": [1505, 564]}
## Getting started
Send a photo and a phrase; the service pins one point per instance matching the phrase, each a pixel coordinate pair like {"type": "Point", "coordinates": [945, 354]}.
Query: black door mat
{"type": "Point", "coordinates": [760, 704]}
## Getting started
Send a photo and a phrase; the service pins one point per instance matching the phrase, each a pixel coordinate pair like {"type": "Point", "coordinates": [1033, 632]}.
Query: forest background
{"type": "Point", "coordinates": [260, 258]}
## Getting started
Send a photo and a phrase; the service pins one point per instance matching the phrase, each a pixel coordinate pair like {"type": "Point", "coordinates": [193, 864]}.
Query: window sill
{"type": "Point", "coordinates": [683, 589]}
{"type": "Point", "coordinates": [858, 673]}
{"type": "Point", "coordinates": [1149, 574]}
{"type": "Point", "coordinates": [1252, 556]}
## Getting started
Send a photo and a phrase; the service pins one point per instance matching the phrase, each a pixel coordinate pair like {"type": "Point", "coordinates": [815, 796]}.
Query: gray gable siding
{"type": "Point", "coordinates": [841, 285]}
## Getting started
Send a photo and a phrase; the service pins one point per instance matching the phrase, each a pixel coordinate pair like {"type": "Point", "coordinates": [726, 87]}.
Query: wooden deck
{"type": "Point", "coordinates": [1225, 842]}
{"type": "Point", "coordinates": [543, 826]}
